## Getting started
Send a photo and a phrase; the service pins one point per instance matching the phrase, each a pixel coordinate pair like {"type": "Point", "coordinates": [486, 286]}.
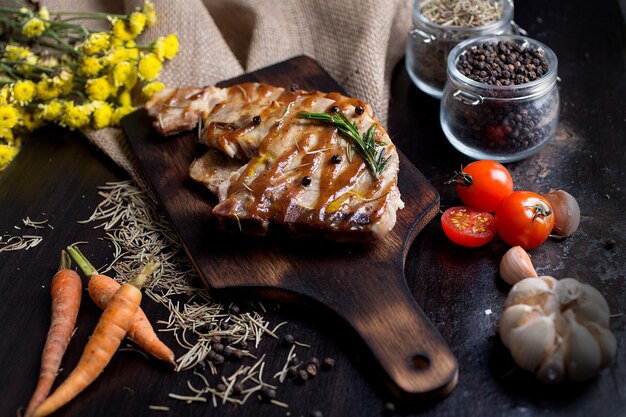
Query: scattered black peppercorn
{"type": "Point", "coordinates": [218, 347]}
{"type": "Point", "coordinates": [334, 109]}
{"type": "Point", "coordinates": [288, 339]}
{"type": "Point", "coordinates": [238, 388]}
{"type": "Point", "coordinates": [216, 358]}
{"type": "Point", "coordinates": [311, 369]}
{"type": "Point", "coordinates": [389, 408]}
{"type": "Point", "coordinates": [220, 387]}
{"type": "Point", "coordinates": [268, 394]}
{"type": "Point", "coordinates": [359, 110]}
{"type": "Point", "coordinates": [295, 361]}
{"type": "Point", "coordinates": [234, 309]}
{"type": "Point", "coordinates": [294, 87]}
{"type": "Point", "coordinates": [328, 363]}
{"type": "Point", "coordinates": [306, 181]}
{"type": "Point", "coordinates": [256, 120]}
{"type": "Point", "coordinates": [292, 371]}
{"type": "Point", "coordinates": [229, 350]}
{"type": "Point", "coordinates": [610, 243]}
{"type": "Point", "coordinates": [302, 375]}
{"type": "Point", "coordinates": [336, 159]}
{"type": "Point", "coordinates": [216, 339]}
{"type": "Point", "coordinates": [317, 413]}
{"type": "Point", "coordinates": [242, 344]}
{"type": "Point", "coordinates": [201, 366]}
{"type": "Point", "coordinates": [313, 360]}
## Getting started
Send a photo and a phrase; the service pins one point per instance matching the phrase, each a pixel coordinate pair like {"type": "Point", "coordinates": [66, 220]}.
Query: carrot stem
{"type": "Point", "coordinates": [80, 259]}
{"type": "Point", "coordinates": [66, 261]}
{"type": "Point", "coordinates": [145, 272]}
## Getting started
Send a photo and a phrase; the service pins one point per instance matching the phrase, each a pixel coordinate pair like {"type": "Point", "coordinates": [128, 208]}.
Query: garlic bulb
{"type": "Point", "coordinates": [557, 329]}
{"type": "Point", "coordinates": [516, 265]}
{"type": "Point", "coordinates": [566, 213]}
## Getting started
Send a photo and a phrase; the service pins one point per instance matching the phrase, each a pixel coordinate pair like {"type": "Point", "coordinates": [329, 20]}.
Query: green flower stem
{"type": "Point", "coordinates": [63, 25]}
{"type": "Point", "coordinates": [70, 48]}
{"type": "Point", "coordinates": [94, 15]}
{"type": "Point", "coordinates": [11, 11]}
{"type": "Point", "coordinates": [9, 71]}
{"type": "Point", "coordinates": [34, 66]}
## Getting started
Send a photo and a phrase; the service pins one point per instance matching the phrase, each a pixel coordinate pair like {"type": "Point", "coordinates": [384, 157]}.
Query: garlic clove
{"type": "Point", "coordinates": [552, 369]}
{"type": "Point", "coordinates": [516, 265]}
{"type": "Point", "coordinates": [550, 281]}
{"type": "Point", "coordinates": [568, 290]}
{"type": "Point", "coordinates": [606, 341]}
{"type": "Point", "coordinates": [515, 316]}
{"type": "Point", "coordinates": [531, 343]}
{"type": "Point", "coordinates": [588, 303]}
{"type": "Point", "coordinates": [566, 212]}
{"type": "Point", "coordinates": [582, 353]}
{"type": "Point", "coordinates": [534, 291]}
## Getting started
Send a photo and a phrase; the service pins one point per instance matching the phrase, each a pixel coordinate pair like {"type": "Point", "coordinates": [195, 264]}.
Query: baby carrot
{"type": "Point", "coordinates": [101, 288]}
{"type": "Point", "coordinates": [66, 291]}
{"type": "Point", "coordinates": [103, 343]}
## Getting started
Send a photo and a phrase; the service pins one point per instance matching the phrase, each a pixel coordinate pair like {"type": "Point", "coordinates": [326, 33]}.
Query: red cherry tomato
{"type": "Point", "coordinates": [468, 227]}
{"type": "Point", "coordinates": [483, 185]}
{"type": "Point", "coordinates": [524, 219]}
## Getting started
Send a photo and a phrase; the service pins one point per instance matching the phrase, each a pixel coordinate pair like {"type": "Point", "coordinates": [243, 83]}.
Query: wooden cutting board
{"type": "Point", "coordinates": [363, 284]}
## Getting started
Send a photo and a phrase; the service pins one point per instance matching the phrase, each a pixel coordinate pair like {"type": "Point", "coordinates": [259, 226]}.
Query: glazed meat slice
{"type": "Point", "coordinates": [180, 109]}
{"type": "Point", "coordinates": [295, 180]}
{"type": "Point", "coordinates": [175, 110]}
{"type": "Point", "coordinates": [268, 166]}
{"type": "Point", "coordinates": [237, 127]}
{"type": "Point", "coordinates": [214, 170]}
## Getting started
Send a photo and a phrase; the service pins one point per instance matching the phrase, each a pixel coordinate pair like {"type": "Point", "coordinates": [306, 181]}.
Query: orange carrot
{"type": "Point", "coordinates": [103, 343]}
{"type": "Point", "coordinates": [101, 288]}
{"type": "Point", "coordinates": [66, 291]}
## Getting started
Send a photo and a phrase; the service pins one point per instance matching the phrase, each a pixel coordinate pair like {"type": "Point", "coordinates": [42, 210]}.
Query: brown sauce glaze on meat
{"type": "Point", "coordinates": [288, 174]}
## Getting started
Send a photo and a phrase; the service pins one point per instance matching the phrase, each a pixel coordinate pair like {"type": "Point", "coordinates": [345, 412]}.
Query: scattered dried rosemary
{"type": "Point", "coordinates": [209, 333]}
{"type": "Point", "coordinates": [461, 13]}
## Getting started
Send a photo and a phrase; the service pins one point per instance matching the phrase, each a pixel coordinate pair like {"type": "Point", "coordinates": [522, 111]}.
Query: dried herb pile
{"type": "Point", "coordinates": [461, 13]}
{"type": "Point", "coordinates": [218, 341]}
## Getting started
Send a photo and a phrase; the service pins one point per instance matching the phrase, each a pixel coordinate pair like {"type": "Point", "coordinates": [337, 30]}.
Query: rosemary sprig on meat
{"type": "Point", "coordinates": [365, 145]}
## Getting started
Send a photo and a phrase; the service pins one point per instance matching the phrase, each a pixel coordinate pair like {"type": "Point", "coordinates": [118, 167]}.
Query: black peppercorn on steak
{"type": "Point", "coordinates": [318, 163]}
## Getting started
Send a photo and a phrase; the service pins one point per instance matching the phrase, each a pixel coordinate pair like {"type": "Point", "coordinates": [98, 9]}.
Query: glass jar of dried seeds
{"type": "Point", "coordinates": [430, 42]}
{"type": "Point", "coordinates": [501, 100]}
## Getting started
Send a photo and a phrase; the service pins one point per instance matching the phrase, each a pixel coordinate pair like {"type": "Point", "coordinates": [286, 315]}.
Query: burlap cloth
{"type": "Point", "coordinates": [357, 41]}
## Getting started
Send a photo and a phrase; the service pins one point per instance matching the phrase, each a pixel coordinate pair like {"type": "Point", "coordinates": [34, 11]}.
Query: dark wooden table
{"type": "Point", "coordinates": [56, 176]}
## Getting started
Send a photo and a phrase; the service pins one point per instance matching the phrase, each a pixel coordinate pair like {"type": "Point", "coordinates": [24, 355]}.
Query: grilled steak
{"type": "Point", "coordinates": [269, 166]}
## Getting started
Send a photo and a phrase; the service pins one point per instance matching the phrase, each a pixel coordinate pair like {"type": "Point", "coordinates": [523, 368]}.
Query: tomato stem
{"type": "Point", "coordinates": [540, 210]}
{"type": "Point", "coordinates": [461, 178]}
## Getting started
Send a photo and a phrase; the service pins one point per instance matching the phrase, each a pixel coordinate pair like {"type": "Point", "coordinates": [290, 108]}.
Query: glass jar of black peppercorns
{"type": "Point", "coordinates": [501, 100]}
{"type": "Point", "coordinates": [431, 40]}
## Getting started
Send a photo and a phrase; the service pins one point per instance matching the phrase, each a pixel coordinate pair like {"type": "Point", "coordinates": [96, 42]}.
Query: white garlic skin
{"type": "Point", "coordinates": [566, 212]}
{"type": "Point", "coordinates": [516, 265]}
{"type": "Point", "coordinates": [557, 329]}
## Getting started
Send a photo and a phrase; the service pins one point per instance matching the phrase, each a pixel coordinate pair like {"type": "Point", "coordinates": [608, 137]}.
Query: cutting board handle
{"type": "Point", "coordinates": [404, 341]}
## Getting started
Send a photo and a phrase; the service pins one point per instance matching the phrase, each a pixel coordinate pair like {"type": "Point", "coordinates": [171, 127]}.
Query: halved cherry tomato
{"type": "Point", "coordinates": [483, 185]}
{"type": "Point", "coordinates": [524, 219]}
{"type": "Point", "coordinates": [468, 227]}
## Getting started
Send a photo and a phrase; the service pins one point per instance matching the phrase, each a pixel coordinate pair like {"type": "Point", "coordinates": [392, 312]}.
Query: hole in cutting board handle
{"type": "Point", "coordinates": [420, 361]}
